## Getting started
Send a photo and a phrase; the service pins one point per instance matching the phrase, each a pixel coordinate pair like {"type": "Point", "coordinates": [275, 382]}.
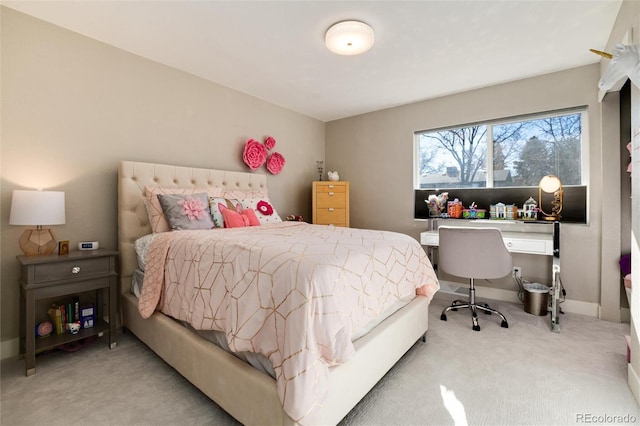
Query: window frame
{"type": "Point", "coordinates": [489, 183]}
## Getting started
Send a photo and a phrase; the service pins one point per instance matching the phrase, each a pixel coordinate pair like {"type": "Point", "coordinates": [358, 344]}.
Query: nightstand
{"type": "Point", "coordinates": [46, 277]}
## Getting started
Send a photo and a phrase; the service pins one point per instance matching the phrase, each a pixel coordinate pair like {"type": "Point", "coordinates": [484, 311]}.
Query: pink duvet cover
{"type": "Point", "coordinates": [291, 291]}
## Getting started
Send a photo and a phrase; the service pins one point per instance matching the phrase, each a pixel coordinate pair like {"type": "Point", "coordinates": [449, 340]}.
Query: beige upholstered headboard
{"type": "Point", "coordinates": [133, 221]}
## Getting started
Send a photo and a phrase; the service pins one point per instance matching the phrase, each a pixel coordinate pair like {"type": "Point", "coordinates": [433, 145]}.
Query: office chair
{"type": "Point", "coordinates": [473, 253]}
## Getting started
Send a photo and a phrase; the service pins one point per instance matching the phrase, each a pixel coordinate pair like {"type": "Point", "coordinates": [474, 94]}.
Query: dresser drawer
{"type": "Point", "coordinates": [336, 217]}
{"type": "Point", "coordinates": [71, 269]}
{"type": "Point", "coordinates": [331, 187]}
{"type": "Point", "coordinates": [331, 199]}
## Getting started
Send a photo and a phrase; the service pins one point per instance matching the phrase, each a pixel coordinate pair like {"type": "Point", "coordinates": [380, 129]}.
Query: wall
{"type": "Point", "coordinates": [73, 107]}
{"type": "Point", "coordinates": [375, 152]}
{"type": "Point", "coordinates": [628, 25]}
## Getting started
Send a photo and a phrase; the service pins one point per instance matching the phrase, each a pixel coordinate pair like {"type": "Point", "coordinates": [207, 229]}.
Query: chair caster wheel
{"type": "Point", "coordinates": [476, 328]}
{"type": "Point", "coordinates": [486, 312]}
{"type": "Point", "coordinates": [504, 324]}
{"type": "Point", "coordinates": [454, 309]}
{"type": "Point", "coordinates": [443, 317]}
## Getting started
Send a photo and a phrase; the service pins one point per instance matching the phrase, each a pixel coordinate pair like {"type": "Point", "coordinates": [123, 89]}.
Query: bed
{"type": "Point", "coordinates": [248, 394]}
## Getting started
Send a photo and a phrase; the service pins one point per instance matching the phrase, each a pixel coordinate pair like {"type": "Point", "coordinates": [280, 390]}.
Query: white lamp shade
{"type": "Point", "coordinates": [37, 208]}
{"type": "Point", "coordinates": [349, 38]}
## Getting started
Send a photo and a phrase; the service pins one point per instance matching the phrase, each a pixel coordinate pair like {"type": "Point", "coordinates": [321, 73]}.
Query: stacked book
{"type": "Point", "coordinates": [62, 315]}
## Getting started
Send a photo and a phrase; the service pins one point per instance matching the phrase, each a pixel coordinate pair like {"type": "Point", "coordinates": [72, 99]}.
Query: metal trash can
{"type": "Point", "coordinates": [536, 298]}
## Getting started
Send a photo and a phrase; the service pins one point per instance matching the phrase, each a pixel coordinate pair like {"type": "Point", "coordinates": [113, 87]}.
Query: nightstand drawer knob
{"type": "Point", "coordinates": [75, 270]}
{"type": "Point", "coordinates": [330, 209]}
{"type": "Point", "coordinates": [331, 193]}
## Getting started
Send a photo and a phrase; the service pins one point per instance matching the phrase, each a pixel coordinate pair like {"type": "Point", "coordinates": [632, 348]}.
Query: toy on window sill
{"type": "Point", "coordinates": [294, 218]}
{"type": "Point", "coordinates": [437, 204]}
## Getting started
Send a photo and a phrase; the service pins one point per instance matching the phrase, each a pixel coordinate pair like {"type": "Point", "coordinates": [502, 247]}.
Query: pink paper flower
{"type": "Point", "coordinates": [275, 163]}
{"type": "Point", "coordinates": [254, 154]}
{"type": "Point", "coordinates": [192, 208]}
{"type": "Point", "coordinates": [269, 142]}
{"type": "Point", "coordinates": [264, 208]}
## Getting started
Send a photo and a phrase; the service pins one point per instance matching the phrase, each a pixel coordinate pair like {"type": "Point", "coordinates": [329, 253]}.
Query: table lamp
{"type": "Point", "coordinates": [550, 184]}
{"type": "Point", "coordinates": [37, 208]}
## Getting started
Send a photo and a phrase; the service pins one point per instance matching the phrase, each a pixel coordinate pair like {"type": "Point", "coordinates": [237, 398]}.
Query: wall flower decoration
{"type": "Point", "coordinates": [275, 163]}
{"type": "Point", "coordinates": [254, 154]}
{"type": "Point", "coordinates": [269, 142]}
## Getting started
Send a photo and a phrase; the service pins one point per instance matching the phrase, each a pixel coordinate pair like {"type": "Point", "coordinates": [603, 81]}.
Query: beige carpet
{"type": "Point", "coordinates": [523, 375]}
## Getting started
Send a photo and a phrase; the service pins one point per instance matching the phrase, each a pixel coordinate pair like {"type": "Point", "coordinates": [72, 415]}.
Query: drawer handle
{"type": "Point", "coordinates": [331, 193]}
{"type": "Point", "coordinates": [75, 270]}
{"type": "Point", "coordinates": [509, 244]}
{"type": "Point", "coordinates": [330, 209]}
{"type": "Point", "coordinates": [330, 186]}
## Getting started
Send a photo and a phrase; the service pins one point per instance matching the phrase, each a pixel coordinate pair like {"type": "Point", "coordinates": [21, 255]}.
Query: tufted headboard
{"type": "Point", "coordinates": [133, 221]}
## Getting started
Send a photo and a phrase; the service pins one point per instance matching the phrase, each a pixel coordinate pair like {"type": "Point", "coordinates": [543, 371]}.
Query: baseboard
{"type": "Point", "coordinates": [9, 348]}
{"type": "Point", "coordinates": [450, 290]}
{"type": "Point", "coordinates": [634, 382]}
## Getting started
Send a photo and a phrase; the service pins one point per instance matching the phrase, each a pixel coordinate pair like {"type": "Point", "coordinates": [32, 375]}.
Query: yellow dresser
{"type": "Point", "coordinates": [330, 203]}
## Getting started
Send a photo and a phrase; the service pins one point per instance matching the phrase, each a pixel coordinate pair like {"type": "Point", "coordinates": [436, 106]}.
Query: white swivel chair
{"type": "Point", "coordinates": [473, 253]}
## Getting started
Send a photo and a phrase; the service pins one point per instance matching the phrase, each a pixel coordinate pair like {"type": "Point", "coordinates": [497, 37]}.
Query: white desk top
{"type": "Point", "coordinates": [516, 242]}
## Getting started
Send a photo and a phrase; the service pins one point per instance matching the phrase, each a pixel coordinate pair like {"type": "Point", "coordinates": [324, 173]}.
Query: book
{"type": "Point", "coordinates": [56, 318]}
{"type": "Point", "coordinates": [76, 309]}
{"type": "Point", "coordinates": [63, 319]}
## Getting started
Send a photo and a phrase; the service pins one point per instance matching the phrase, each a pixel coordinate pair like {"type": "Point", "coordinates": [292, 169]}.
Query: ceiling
{"type": "Point", "coordinates": [274, 50]}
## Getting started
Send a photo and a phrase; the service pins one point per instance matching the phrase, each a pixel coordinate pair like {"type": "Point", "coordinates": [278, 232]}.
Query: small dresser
{"type": "Point", "coordinates": [330, 203]}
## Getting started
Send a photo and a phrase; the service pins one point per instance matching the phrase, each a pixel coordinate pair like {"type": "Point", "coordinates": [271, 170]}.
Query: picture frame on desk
{"type": "Point", "coordinates": [63, 247]}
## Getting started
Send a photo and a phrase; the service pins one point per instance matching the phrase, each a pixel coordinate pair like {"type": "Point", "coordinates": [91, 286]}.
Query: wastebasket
{"type": "Point", "coordinates": [536, 298]}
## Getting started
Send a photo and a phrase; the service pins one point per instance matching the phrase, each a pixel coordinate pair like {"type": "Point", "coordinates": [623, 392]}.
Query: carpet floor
{"type": "Point", "coordinates": [521, 375]}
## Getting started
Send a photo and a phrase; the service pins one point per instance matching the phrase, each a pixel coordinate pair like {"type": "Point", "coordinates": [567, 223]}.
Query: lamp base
{"type": "Point", "coordinates": [35, 242]}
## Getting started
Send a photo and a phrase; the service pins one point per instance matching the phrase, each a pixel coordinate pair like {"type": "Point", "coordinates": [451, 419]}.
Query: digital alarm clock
{"type": "Point", "coordinates": [88, 245]}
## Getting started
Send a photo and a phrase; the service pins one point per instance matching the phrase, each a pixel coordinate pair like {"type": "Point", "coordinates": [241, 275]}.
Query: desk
{"type": "Point", "coordinates": [535, 243]}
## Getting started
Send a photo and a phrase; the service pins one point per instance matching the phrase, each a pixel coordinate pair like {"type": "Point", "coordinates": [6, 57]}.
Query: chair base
{"type": "Point", "coordinates": [474, 307]}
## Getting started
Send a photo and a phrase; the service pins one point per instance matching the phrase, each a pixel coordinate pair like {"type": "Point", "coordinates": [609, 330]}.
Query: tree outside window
{"type": "Point", "coordinates": [523, 152]}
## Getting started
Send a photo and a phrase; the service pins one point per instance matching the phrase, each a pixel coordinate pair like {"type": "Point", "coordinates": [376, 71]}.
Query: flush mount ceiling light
{"type": "Point", "coordinates": [349, 38]}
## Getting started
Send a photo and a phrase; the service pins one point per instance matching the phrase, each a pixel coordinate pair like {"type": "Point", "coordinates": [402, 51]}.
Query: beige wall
{"type": "Point", "coordinates": [73, 107]}
{"type": "Point", "coordinates": [375, 153]}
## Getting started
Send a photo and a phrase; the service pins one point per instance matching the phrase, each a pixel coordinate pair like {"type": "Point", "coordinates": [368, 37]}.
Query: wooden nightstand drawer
{"type": "Point", "coordinates": [331, 199]}
{"type": "Point", "coordinates": [71, 269]}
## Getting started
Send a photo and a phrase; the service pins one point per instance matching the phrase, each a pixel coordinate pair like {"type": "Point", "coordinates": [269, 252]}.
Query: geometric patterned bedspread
{"type": "Point", "coordinates": [291, 291]}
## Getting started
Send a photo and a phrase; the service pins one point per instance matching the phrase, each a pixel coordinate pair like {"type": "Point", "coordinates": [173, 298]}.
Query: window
{"type": "Point", "coordinates": [521, 153]}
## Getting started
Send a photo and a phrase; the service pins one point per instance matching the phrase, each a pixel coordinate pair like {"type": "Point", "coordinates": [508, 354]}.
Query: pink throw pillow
{"type": "Point", "coordinates": [238, 220]}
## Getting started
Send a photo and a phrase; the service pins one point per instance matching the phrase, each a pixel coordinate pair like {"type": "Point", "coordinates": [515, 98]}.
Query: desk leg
{"type": "Point", "coordinates": [555, 296]}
